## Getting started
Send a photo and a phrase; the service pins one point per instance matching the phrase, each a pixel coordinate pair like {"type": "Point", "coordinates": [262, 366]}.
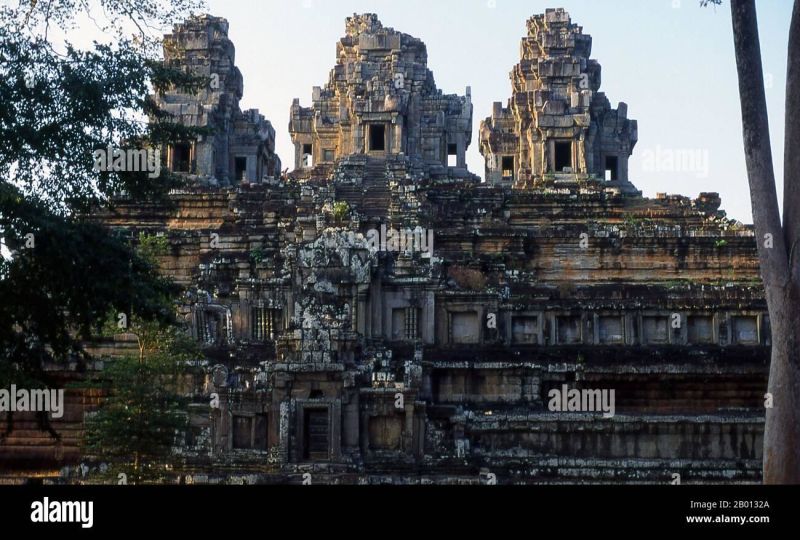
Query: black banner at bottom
{"type": "Point", "coordinates": [79, 511]}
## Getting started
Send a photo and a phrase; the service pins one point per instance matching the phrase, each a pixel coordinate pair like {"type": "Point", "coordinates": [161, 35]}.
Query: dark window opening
{"type": "Point", "coordinates": [612, 170]}
{"type": "Point", "coordinates": [250, 432]}
{"type": "Point", "coordinates": [308, 155]}
{"type": "Point", "coordinates": [568, 330]}
{"type": "Point", "coordinates": [508, 167]}
{"type": "Point", "coordinates": [611, 330]}
{"type": "Point", "coordinates": [745, 330]}
{"type": "Point", "coordinates": [563, 156]}
{"type": "Point", "coordinates": [315, 436]}
{"type": "Point", "coordinates": [328, 155]}
{"type": "Point", "coordinates": [242, 432]}
{"type": "Point", "coordinates": [655, 330]}
{"type": "Point", "coordinates": [525, 330]}
{"type": "Point", "coordinates": [240, 168]}
{"type": "Point", "coordinates": [377, 138]}
{"type": "Point", "coordinates": [452, 155]}
{"type": "Point", "coordinates": [182, 157]}
{"type": "Point", "coordinates": [701, 330]}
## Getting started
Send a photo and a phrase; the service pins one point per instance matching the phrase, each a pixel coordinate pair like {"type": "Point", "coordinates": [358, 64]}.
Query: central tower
{"type": "Point", "coordinates": [381, 100]}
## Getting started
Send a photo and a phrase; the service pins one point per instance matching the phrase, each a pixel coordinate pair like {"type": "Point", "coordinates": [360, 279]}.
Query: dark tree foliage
{"type": "Point", "coordinates": [61, 276]}
{"type": "Point", "coordinates": [139, 423]}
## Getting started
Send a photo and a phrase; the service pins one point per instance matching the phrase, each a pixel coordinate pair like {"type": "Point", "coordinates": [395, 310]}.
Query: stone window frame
{"type": "Point", "coordinates": [623, 319]}
{"type": "Point", "coordinates": [615, 173]}
{"type": "Point", "coordinates": [412, 318]}
{"type": "Point", "coordinates": [480, 310]}
{"type": "Point", "coordinates": [551, 143]}
{"type": "Point", "coordinates": [715, 334]}
{"type": "Point", "coordinates": [192, 162]}
{"type": "Point", "coordinates": [447, 151]}
{"type": "Point", "coordinates": [244, 174]}
{"type": "Point", "coordinates": [400, 417]}
{"type": "Point", "coordinates": [272, 323]}
{"type": "Point", "coordinates": [540, 323]}
{"type": "Point", "coordinates": [556, 315]}
{"type": "Point", "coordinates": [303, 154]}
{"type": "Point", "coordinates": [381, 405]}
{"type": "Point", "coordinates": [334, 408]}
{"type": "Point", "coordinates": [368, 137]}
{"type": "Point", "coordinates": [199, 318]}
{"type": "Point", "coordinates": [672, 339]}
{"type": "Point", "coordinates": [729, 320]}
{"type": "Point", "coordinates": [252, 415]}
{"type": "Point", "coordinates": [513, 167]}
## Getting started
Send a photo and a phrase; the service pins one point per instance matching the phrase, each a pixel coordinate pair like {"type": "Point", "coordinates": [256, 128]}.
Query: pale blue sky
{"type": "Point", "coordinates": [673, 66]}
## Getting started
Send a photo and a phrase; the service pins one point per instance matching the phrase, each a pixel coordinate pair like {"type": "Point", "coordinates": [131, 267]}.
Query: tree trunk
{"type": "Point", "coordinates": [791, 172]}
{"type": "Point", "coordinates": [782, 430]}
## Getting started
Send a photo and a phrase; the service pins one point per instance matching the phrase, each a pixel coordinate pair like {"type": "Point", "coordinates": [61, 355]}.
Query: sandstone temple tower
{"type": "Point", "coordinates": [381, 101]}
{"type": "Point", "coordinates": [557, 125]}
{"type": "Point", "coordinates": [242, 146]}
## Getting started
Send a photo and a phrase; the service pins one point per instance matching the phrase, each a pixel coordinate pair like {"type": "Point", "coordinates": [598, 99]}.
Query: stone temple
{"type": "Point", "coordinates": [382, 315]}
{"type": "Point", "coordinates": [242, 146]}
{"type": "Point", "coordinates": [558, 126]}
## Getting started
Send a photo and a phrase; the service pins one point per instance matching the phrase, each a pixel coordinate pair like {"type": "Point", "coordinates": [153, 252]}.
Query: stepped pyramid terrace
{"type": "Point", "coordinates": [381, 314]}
